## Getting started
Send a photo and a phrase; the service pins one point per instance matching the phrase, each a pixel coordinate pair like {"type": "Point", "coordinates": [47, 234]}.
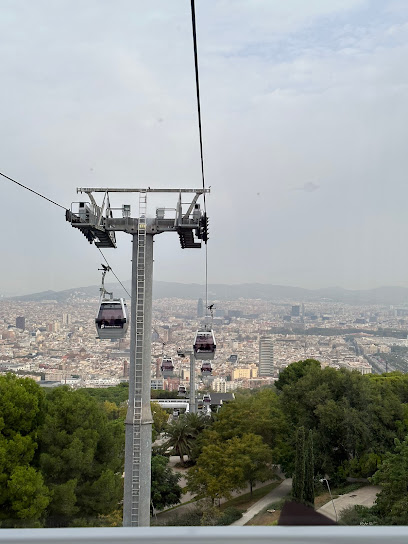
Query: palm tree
{"type": "Point", "coordinates": [180, 437]}
{"type": "Point", "coordinates": [197, 423]}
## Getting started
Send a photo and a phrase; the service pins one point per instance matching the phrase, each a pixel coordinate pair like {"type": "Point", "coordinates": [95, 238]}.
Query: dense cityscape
{"type": "Point", "coordinates": [55, 343]}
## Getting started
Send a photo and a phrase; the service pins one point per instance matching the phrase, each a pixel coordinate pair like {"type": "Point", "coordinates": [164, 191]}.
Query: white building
{"type": "Point", "coordinates": [157, 383]}
{"type": "Point", "coordinates": [221, 385]}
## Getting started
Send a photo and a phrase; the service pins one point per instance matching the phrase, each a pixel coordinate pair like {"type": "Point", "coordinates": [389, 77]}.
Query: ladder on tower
{"type": "Point", "coordinates": [137, 408]}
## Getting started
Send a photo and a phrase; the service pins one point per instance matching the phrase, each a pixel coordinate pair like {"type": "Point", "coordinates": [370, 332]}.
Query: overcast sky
{"type": "Point", "coordinates": [305, 115]}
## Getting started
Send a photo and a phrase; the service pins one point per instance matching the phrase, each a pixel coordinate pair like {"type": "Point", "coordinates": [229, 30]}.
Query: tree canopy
{"type": "Point", "coordinates": [23, 495]}
{"type": "Point", "coordinates": [165, 490]}
{"type": "Point", "coordinates": [62, 454]}
{"type": "Point", "coordinates": [81, 456]}
{"type": "Point", "coordinates": [225, 466]}
{"type": "Point", "coordinates": [392, 502]}
{"type": "Point", "coordinates": [350, 417]}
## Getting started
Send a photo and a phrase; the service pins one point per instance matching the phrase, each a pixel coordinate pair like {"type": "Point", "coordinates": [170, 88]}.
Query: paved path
{"type": "Point", "coordinates": [365, 496]}
{"type": "Point", "coordinates": [173, 460]}
{"type": "Point", "coordinates": [184, 508]}
{"type": "Point", "coordinates": [275, 495]}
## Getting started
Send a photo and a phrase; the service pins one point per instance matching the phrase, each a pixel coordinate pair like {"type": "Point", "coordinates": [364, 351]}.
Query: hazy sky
{"type": "Point", "coordinates": [305, 116]}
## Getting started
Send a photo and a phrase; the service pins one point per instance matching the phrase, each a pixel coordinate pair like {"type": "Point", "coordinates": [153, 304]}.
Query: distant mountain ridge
{"type": "Point", "coordinates": [381, 295]}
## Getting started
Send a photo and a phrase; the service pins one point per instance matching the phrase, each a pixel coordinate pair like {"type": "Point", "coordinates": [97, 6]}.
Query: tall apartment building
{"type": "Point", "coordinates": [295, 311]}
{"type": "Point", "coordinates": [220, 385]}
{"type": "Point", "coordinates": [265, 356]}
{"type": "Point", "coordinates": [66, 319]}
{"type": "Point", "coordinates": [20, 323]}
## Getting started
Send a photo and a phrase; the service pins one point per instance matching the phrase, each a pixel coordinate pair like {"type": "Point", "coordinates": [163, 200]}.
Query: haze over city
{"type": "Point", "coordinates": [304, 130]}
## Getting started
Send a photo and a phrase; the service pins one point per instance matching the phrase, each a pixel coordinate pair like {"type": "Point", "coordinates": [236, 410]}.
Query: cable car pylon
{"type": "Point", "coordinates": [99, 225]}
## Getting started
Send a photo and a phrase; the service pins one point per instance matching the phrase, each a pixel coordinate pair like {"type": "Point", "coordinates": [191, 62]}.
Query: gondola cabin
{"type": "Point", "coordinates": [204, 345]}
{"type": "Point", "coordinates": [112, 321]}
{"type": "Point", "coordinates": [182, 391]}
{"type": "Point", "coordinates": [206, 398]}
{"type": "Point", "coordinates": [167, 367]}
{"type": "Point", "coordinates": [206, 368]}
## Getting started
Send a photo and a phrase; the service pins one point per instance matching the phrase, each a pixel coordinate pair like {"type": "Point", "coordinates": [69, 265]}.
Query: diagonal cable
{"type": "Point", "coordinates": [111, 269]}
{"type": "Point", "coordinates": [32, 191]}
{"type": "Point", "coordinates": [64, 208]}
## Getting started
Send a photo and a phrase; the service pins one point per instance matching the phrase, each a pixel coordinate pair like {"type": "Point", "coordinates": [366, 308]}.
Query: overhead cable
{"type": "Point", "coordinates": [193, 21]}
{"type": "Point", "coordinates": [64, 208]}
{"type": "Point", "coordinates": [111, 269]}
{"type": "Point", "coordinates": [197, 79]}
{"type": "Point", "coordinates": [32, 191]}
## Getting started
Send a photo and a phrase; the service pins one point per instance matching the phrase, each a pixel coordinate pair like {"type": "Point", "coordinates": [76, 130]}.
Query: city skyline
{"type": "Point", "coordinates": [255, 340]}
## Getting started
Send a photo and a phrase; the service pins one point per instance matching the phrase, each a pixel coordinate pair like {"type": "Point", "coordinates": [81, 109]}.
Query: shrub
{"type": "Point", "coordinates": [191, 518]}
{"type": "Point", "coordinates": [229, 515]}
{"type": "Point", "coordinates": [358, 515]}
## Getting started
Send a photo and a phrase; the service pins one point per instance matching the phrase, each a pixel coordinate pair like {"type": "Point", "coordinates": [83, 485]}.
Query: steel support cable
{"type": "Point", "coordinates": [111, 269]}
{"type": "Point", "coordinates": [32, 191]}
{"type": "Point", "coordinates": [64, 208]}
{"type": "Point", "coordinates": [193, 22]}
{"type": "Point", "coordinates": [206, 275]}
{"type": "Point", "coordinates": [197, 79]}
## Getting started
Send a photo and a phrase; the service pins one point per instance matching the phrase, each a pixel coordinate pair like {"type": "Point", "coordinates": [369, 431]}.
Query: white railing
{"type": "Point", "coordinates": [171, 403]}
{"type": "Point", "coordinates": [210, 535]}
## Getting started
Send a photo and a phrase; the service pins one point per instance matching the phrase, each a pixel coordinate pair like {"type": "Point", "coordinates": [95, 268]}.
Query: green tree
{"type": "Point", "coordinates": [293, 372]}
{"type": "Point", "coordinates": [160, 418]}
{"type": "Point", "coordinates": [23, 495]}
{"type": "Point", "coordinates": [253, 457]}
{"type": "Point", "coordinates": [165, 490]}
{"type": "Point", "coordinates": [359, 515]}
{"type": "Point", "coordinates": [215, 474]}
{"type": "Point", "coordinates": [349, 414]}
{"type": "Point", "coordinates": [111, 409]}
{"type": "Point", "coordinates": [180, 438]}
{"type": "Point", "coordinates": [225, 466]}
{"type": "Point", "coordinates": [197, 424]}
{"type": "Point", "coordinates": [64, 503]}
{"type": "Point", "coordinates": [117, 394]}
{"type": "Point", "coordinates": [298, 486]}
{"type": "Point", "coordinates": [392, 501]}
{"type": "Point", "coordinates": [394, 382]}
{"type": "Point", "coordinates": [81, 454]}
{"type": "Point", "coordinates": [103, 495]}
{"type": "Point", "coordinates": [260, 414]}
{"type": "Point", "coordinates": [27, 494]}
{"type": "Point", "coordinates": [308, 492]}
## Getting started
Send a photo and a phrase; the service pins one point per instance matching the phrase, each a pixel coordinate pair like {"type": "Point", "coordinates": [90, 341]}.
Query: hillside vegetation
{"type": "Point", "coordinates": [62, 453]}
